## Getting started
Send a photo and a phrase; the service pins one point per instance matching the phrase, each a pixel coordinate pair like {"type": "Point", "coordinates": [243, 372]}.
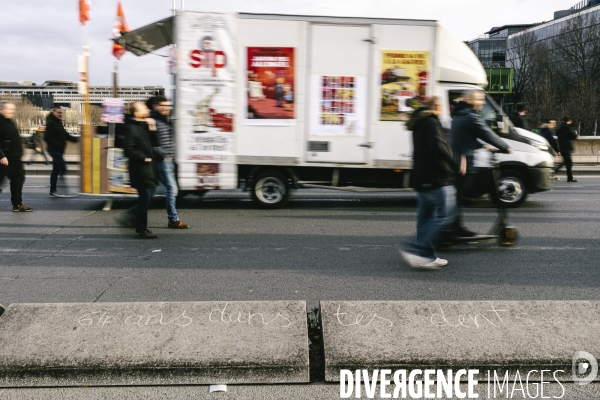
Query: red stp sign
{"type": "Point", "coordinates": [207, 56]}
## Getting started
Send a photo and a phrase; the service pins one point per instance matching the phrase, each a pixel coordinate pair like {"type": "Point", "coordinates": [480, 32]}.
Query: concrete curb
{"type": "Point", "coordinates": [179, 343]}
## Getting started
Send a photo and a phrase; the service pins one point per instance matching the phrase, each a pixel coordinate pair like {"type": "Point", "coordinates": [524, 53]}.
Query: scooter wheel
{"type": "Point", "coordinates": [508, 236]}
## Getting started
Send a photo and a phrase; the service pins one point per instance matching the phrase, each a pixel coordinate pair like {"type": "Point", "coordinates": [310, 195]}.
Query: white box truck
{"type": "Point", "coordinates": [270, 103]}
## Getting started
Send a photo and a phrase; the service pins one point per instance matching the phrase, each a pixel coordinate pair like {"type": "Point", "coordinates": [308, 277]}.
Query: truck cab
{"type": "Point", "coordinates": [528, 169]}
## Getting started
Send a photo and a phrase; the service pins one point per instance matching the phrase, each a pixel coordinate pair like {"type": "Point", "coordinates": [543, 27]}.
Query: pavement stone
{"type": "Point", "coordinates": [486, 335]}
{"type": "Point", "coordinates": [107, 344]}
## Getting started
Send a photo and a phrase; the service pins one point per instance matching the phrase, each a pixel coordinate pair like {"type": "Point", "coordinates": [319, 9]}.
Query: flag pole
{"type": "Point", "coordinates": [86, 138]}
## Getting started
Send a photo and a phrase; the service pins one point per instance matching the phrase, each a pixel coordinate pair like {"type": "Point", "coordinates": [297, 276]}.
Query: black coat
{"type": "Point", "coordinates": [566, 136]}
{"type": "Point", "coordinates": [11, 145]}
{"type": "Point", "coordinates": [434, 165]}
{"type": "Point", "coordinates": [56, 136]}
{"type": "Point", "coordinates": [139, 143]}
{"type": "Point", "coordinates": [518, 120]}
{"type": "Point", "coordinates": [467, 127]}
{"type": "Point", "coordinates": [547, 134]}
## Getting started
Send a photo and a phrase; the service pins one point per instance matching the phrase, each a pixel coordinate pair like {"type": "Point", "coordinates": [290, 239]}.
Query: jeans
{"type": "Point", "coordinates": [59, 167]}
{"type": "Point", "coordinates": [15, 172]}
{"type": "Point", "coordinates": [166, 176]}
{"type": "Point", "coordinates": [436, 210]}
{"type": "Point", "coordinates": [140, 211]}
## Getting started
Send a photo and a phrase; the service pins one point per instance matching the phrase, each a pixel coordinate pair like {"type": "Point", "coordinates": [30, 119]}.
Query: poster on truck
{"type": "Point", "coordinates": [339, 105]}
{"type": "Point", "coordinates": [205, 104]}
{"type": "Point", "coordinates": [404, 83]}
{"type": "Point", "coordinates": [270, 86]}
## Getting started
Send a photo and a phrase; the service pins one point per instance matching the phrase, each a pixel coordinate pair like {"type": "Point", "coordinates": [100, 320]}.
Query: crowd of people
{"type": "Point", "coordinates": [149, 144]}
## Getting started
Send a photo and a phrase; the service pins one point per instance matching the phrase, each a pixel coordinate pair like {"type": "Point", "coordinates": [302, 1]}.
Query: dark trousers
{"type": "Point", "coordinates": [463, 185]}
{"type": "Point", "coordinates": [15, 172]}
{"type": "Point", "coordinates": [140, 211]}
{"type": "Point", "coordinates": [59, 167]}
{"type": "Point", "coordinates": [568, 163]}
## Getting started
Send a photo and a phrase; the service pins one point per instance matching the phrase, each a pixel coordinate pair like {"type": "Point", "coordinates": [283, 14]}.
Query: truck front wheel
{"type": "Point", "coordinates": [270, 190]}
{"type": "Point", "coordinates": [512, 190]}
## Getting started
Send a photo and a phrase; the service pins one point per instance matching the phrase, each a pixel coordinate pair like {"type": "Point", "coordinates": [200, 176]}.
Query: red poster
{"type": "Point", "coordinates": [270, 83]}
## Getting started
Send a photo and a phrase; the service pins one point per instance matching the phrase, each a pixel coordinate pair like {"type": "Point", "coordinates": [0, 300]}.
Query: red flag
{"type": "Point", "coordinates": [84, 11]}
{"type": "Point", "coordinates": [120, 26]}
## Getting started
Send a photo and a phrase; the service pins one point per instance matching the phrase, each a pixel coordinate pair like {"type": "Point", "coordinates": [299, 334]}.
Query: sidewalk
{"type": "Point", "coordinates": [73, 169]}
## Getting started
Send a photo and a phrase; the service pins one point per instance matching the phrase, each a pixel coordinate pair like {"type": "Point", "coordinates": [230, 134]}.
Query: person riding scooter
{"type": "Point", "coordinates": [467, 127]}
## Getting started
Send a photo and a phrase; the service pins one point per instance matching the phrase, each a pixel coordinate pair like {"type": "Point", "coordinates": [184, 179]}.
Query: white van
{"type": "Point", "coordinates": [270, 103]}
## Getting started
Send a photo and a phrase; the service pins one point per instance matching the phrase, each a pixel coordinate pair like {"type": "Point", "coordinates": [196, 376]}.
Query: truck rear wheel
{"type": "Point", "coordinates": [270, 190]}
{"type": "Point", "coordinates": [512, 190]}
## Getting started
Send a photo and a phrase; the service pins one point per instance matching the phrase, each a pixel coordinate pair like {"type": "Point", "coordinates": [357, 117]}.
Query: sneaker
{"type": "Point", "coordinates": [412, 259]}
{"type": "Point", "coordinates": [438, 263]}
{"type": "Point", "coordinates": [572, 180]}
{"type": "Point", "coordinates": [147, 234]}
{"type": "Point", "coordinates": [178, 225]}
{"type": "Point", "coordinates": [55, 194]}
{"type": "Point", "coordinates": [22, 208]}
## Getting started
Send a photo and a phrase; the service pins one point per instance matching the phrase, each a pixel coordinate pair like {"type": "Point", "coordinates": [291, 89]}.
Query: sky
{"type": "Point", "coordinates": [40, 39]}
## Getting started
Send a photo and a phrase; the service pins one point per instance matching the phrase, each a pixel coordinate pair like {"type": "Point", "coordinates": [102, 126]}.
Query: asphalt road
{"type": "Point", "coordinates": [324, 246]}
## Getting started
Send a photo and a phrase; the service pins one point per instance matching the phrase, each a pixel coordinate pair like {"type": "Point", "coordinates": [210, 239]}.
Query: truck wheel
{"type": "Point", "coordinates": [512, 190]}
{"type": "Point", "coordinates": [270, 189]}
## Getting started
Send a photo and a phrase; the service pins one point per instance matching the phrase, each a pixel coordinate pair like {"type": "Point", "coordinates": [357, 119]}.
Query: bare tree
{"type": "Point", "coordinates": [520, 56]}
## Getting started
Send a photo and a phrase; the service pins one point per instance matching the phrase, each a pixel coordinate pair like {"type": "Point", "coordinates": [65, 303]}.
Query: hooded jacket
{"type": "Point", "coordinates": [518, 120]}
{"type": "Point", "coordinates": [467, 127]}
{"type": "Point", "coordinates": [11, 145]}
{"type": "Point", "coordinates": [434, 165]}
{"type": "Point", "coordinates": [56, 136]}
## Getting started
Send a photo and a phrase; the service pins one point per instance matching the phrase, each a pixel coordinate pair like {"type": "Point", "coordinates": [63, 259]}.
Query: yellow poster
{"type": "Point", "coordinates": [404, 82]}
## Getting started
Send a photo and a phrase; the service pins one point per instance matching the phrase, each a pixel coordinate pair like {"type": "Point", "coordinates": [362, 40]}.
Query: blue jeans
{"type": "Point", "coordinates": [436, 210]}
{"type": "Point", "coordinates": [166, 176]}
{"type": "Point", "coordinates": [59, 168]}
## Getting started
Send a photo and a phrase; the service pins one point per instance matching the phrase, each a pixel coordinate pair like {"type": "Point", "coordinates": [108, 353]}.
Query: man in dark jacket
{"type": "Point", "coordinates": [165, 152]}
{"type": "Point", "coordinates": [56, 137]}
{"type": "Point", "coordinates": [566, 136]}
{"type": "Point", "coordinates": [433, 176]}
{"type": "Point", "coordinates": [139, 144]}
{"type": "Point", "coordinates": [468, 128]}
{"type": "Point", "coordinates": [11, 152]}
{"type": "Point", "coordinates": [547, 132]}
{"type": "Point", "coordinates": [518, 117]}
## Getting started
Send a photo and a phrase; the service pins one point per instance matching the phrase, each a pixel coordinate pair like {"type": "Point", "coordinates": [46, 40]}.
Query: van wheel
{"type": "Point", "coordinates": [270, 190]}
{"type": "Point", "coordinates": [511, 187]}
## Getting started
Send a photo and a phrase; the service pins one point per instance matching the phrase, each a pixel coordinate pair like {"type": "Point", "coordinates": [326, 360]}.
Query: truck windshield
{"type": "Point", "coordinates": [493, 115]}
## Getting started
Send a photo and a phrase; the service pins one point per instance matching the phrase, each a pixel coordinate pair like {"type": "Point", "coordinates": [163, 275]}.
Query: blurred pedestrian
{"type": "Point", "coordinates": [37, 145]}
{"type": "Point", "coordinates": [11, 152]}
{"type": "Point", "coordinates": [139, 148]}
{"type": "Point", "coordinates": [56, 138]}
{"type": "Point", "coordinates": [433, 177]}
{"type": "Point", "coordinates": [566, 136]}
{"type": "Point", "coordinates": [468, 130]}
{"type": "Point", "coordinates": [165, 154]}
{"type": "Point", "coordinates": [518, 117]}
{"type": "Point", "coordinates": [547, 132]}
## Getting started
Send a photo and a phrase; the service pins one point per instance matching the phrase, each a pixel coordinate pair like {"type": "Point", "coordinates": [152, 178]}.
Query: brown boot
{"type": "Point", "coordinates": [178, 225]}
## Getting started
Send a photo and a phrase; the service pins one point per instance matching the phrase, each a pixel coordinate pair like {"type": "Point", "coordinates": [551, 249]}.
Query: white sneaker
{"type": "Point", "coordinates": [412, 259]}
{"type": "Point", "coordinates": [438, 263]}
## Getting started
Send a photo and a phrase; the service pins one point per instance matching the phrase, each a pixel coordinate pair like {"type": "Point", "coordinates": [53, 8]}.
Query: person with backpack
{"type": "Point", "coordinates": [433, 179]}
